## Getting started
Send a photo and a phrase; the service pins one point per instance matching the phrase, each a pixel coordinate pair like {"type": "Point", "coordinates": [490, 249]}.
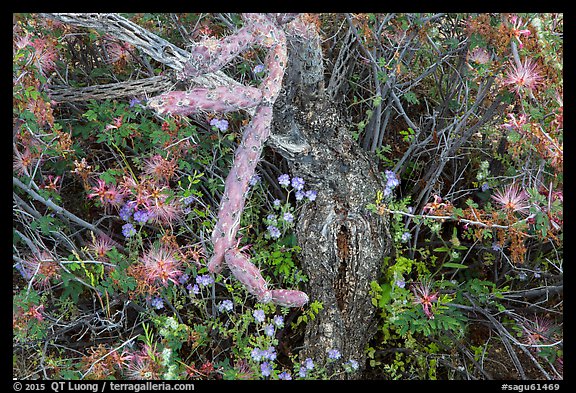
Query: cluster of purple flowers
{"type": "Point", "coordinates": [128, 230]}
{"type": "Point", "coordinates": [259, 315]}
{"type": "Point", "coordinates": [270, 329]}
{"type": "Point", "coordinates": [141, 216]}
{"type": "Point", "coordinates": [183, 278]}
{"type": "Point", "coordinates": [297, 184]}
{"type": "Point", "coordinates": [157, 303]}
{"type": "Point", "coordinates": [126, 211]}
{"type": "Point", "coordinates": [204, 280]}
{"type": "Point", "coordinates": [195, 289]}
{"type": "Point", "coordinates": [201, 280]}
{"type": "Point", "coordinates": [351, 365]}
{"type": "Point", "coordinates": [306, 367]}
{"type": "Point", "coordinates": [274, 231]}
{"type": "Point", "coordinates": [221, 124]}
{"type": "Point", "coordinates": [189, 199]}
{"type": "Point", "coordinates": [259, 354]}
{"type": "Point", "coordinates": [334, 354]}
{"type": "Point", "coordinates": [225, 305]}
{"type": "Point", "coordinates": [128, 214]}
{"type": "Point", "coordinates": [400, 283]}
{"type": "Point", "coordinates": [391, 182]}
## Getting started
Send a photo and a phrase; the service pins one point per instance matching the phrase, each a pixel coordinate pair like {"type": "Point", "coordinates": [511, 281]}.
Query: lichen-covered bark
{"type": "Point", "coordinates": [343, 244]}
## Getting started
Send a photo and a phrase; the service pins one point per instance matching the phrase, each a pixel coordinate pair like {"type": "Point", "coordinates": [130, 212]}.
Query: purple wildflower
{"type": "Point", "coordinates": [300, 195]}
{"type": "Point", "coordinates": [302, 373]}
{"type": "Point", "coordinates": [334, 354]}
{"type": "Point", "coordinates": [128, 230]}
{"type": "Point", "coordinates": [193, 288]}
{"type": "Point", "coordinates": [189, 199]}
{"type": "Point", "coordinates": [221, 124]}
{"type": "Point", "coordinates": [259, 68]}
{"type": "Point", "coordinates": [278, 321]}
{"type": "Point", "coordinates": [391, 179]}
{"type": "Point", "coordinates": [134, 101]}
{"type": "Point", "coordinates": [269, 330]}
{"type": "Point", "coordinates": [183, 278]}
{"type": "Point", "coordinates": [311, 195]}
{"type": "Point", "coordinates": [406, 236]}
{"type": "Point", "coordinates": [284, 180]}
{"type": "Point", "coordinates": [285, 376]}
{"type": "Point", "coordinates": [126, 211]}
{"type": "Point", "coordinates": [270, 353]}
{"type": "Point", "coordinates": [288, 217]}
{"type": "Point", "coordinates": [266, 369]}
{"type": "Point", "coordinates": [259, 315]}
{"type": "Point", "coordinates": [400, 283]}
{"type": "Point", "coordinates": [225, 305]}
{"type": "Point", "coordinates": [309, 364]}
{"type": "Point", "coordinates": [297, 183]}
{"type": "Point", "coordinates": [352, 365]}
{"type": "Point", "coordinates": [257, 354]}
{"type": "Point", "coordinates": [157, 303]}
{"type": "Point", "coordinates": [141, 216]}
{"type": "Point", "coordinates": [204, 280]}
{"type": "Point", "coordinates": [274, 232]}
{"type": "Point", "coordinates": [254, 180]}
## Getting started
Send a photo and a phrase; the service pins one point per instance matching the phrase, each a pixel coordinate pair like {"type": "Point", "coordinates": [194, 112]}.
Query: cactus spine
{"type": "Point", "coordinates": [211, 55]}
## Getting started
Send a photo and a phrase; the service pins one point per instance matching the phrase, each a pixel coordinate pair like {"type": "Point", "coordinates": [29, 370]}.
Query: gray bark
{"type": "Point", "coordinates": [343, 245]}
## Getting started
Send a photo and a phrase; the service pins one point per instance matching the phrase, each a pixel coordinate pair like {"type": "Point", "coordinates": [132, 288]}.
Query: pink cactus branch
{"type": "Point", "coordinates": [210, 55]}
{"type": "Point", "coordinates": [221, 99]}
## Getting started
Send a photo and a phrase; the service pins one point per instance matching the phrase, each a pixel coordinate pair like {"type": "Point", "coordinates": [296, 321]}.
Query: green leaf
{"type": "Point", "coordinates": [90, 115]}
{"type": "Point", "coordinates": [454, 265]}
{"type": "Point", "coordinates": [386, 295]}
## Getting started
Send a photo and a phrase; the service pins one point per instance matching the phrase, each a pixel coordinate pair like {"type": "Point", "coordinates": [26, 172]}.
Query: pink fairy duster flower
{"type": "Point", "coordinates": [45, 53]}
{"type": "Point", "coordinates": [161, 266]}
{"type": "Point", "coordinates": [511, 198]}
{"type": "Point", "coordinates": [118, 52]}
{"type": "Point", "coordinates": [108, 194]}
{"type": "Point", "coordinates": [431, 207]}
{"type": "Point", "coordinates": [523, 76]}
{"type": "Point", "coordinates": [101, 245]}
{"type": "Point", "coordinates": [513, 123]}
{"type": "Point", "coordinates": [160, 168]}
{"type": "Point", "coordinates": [142, 364]}
{"type": "Point", "coordinates": [36, 312]}
{"type": "Point", "coordinates": [41, 269]}
{"type": "Point", "coordinates": [478, 55]}
{"type": "Point", "coordinates": [164, 211]}
{"type": "Point", "coordinates": [423, 296]}
{"type": "Point", "coordinates": [51, 183]}
{"type": "Point", "coordinates": [537, 330]}
{"type": "Point", "coordinates": [23, 162]}
{"type": "Point", "coordinates": [117, 123]}
{"type": "Point", "coordinates": [517, 29]}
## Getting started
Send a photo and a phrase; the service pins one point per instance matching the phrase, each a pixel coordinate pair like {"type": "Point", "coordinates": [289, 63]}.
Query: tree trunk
{"type": "Point", "coordinates": [343, 244]}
